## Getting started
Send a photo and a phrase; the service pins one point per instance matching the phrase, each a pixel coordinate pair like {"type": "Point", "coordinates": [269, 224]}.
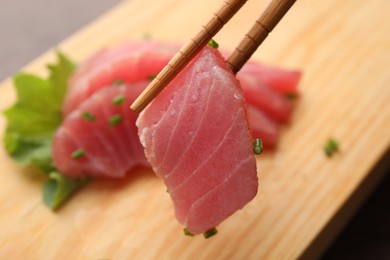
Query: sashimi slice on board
{"type": "Point", "coordinates": [197, 138]}
{"type": "Point", "coordinates": [197, 134]}
{"type": "Point", "coordinates": [128, 62]}
{"type": "Point", "coordinates": [100, 138]}
{"type": "Point", "coordinates": [281, 80]}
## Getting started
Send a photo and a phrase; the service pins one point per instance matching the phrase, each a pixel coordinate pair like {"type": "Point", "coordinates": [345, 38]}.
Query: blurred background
{"type": "Point", "coordinates": [29, 28]}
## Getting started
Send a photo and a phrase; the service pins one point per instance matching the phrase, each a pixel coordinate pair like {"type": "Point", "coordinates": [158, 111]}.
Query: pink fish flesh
{"type": "Point", "coordinates": [196, 136]}
{"type": "Point", "coordinates": [130, 62]}
{"type": "Point", "coordinates": [103, 133]}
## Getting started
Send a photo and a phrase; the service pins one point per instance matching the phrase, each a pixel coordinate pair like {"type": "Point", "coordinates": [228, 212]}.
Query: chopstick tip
{"type": "Point", "coordinates": [136, 107]}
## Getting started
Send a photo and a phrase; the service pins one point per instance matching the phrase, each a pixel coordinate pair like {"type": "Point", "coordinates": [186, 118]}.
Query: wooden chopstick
{"type": "Point", "coordinates": [243, 52]}
{"type": "Point", "coordinates": [187, 52]}
{"type": "Point", "coordinates": [257, 34]}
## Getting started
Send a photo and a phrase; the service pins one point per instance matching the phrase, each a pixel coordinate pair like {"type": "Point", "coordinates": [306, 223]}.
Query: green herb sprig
{"type": "Point", "coordinates": [32, 122]}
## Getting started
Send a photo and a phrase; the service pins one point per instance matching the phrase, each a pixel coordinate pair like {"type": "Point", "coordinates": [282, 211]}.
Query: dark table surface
{"type": "Point", "coordinates": [28, 28]}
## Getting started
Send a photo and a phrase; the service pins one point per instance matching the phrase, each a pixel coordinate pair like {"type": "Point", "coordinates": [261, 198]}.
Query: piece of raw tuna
{"type": "Point", "coordinates": [263, 127]}
{"type": "Point", "coordinates": [282, 80]}
{"type": "Point", "coordinates": [130, 62]}
{"type": "Point", "coordinates": [197, 138]}
{"type": "Point", "coordinates": [276, 105]}
{"type": "Point", "coordinates": [100, 138]}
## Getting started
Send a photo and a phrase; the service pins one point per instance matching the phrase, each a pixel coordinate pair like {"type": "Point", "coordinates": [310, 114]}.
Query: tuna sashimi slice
{"type": "Point", "coordinates": [282, 80]}
{"type": "Point", "coordinates": [197, 138]}
{"type": "Point", "coordinates": [274, 104]}
{"type": "Point", "coordinates": [100, 138]}
{"type": "Point", "coordinates": [263, 127]}
{"type": "Point", "coordinates": [129, 62]}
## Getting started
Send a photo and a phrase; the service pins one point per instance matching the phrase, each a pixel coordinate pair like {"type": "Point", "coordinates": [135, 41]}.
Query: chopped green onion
{"type": "Point", "coordinates": [291, 96]}
{"type": "Point", "coordinates": [333, 144]}
{"type": "Point", "coordinates": [213, 44]}
{"type": "Point", "coordinates": [118, 82]}
{"type": "Point", "coordinates": [331, 147]}
{"type": "Point", "coordinates": [257, 146]}
{"type": "Point", "coordinates": [152, 77]}
{"type": "Point", "coordinates": [209, 233]}
{"type": "Point", "coordinates": [118, 100]}
{"type": "Point", "coordinates": [88, 116]}
{"type": "Point", "coordinates": [187, 232]}
{"type": "Point", "coordinates": [328, 151]}
{"type": "Point", "coordinates": [77, 154]}
{"type": "Point", "coordinates": [115, 119]}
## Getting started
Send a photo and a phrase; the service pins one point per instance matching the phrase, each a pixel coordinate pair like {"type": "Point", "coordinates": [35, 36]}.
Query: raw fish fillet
{"type": "Point", "coordinates": [196, 136]}
{"type": "Point", "coordinates": [130, 62]}
{"type": "Point", "coordinates": [108, 147]}
{"type": "Point", "coordinates": [275, 105]}
{"type": "Point", "coordinates": [282, 80]}
{"type": "Point", "coordinates": [263, 127]}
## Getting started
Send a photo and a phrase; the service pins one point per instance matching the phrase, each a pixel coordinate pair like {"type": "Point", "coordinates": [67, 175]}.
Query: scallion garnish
{"type": "Point", "coordinates": [257, 146]}
{"type": "Point", "coordinates": [115, 119]}
{"type": "Point", "coordinates": [88, 116]}
{"type": "Point", "coordinates": [118, 82]}
{"type": "Point", "coordinates": [213, 44]}
{"type": "Point", "coordinates": [331, 147]}
{"type": "Point", "coordinates": [187, 232]}
{"type": "Point", "coordinates": [77, 154]}
{"type": "Point", "coordinates": [152, 77]}
{"type": "Point", "coordinates": [209, 233]}
{"type": "Point", "coordinates": [291, 96]}
{"type": "Point", "coordinates": [118, 100]}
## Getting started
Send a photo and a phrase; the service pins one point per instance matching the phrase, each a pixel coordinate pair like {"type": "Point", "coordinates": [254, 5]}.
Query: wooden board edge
{"type": "Point", "coordinates": [340, 220]}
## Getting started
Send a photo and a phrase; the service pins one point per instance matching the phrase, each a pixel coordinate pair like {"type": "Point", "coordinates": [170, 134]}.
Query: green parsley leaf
{"type": "Point", "coordinates": [59, 188]}
{"type": "Point", "coordinates": [35, 116]}
{"type": "Point", "coordinates": [32, 121]}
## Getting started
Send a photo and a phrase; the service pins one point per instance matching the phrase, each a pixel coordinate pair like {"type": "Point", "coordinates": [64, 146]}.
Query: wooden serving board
{"type": "Point", "coordinates": [343, 48]}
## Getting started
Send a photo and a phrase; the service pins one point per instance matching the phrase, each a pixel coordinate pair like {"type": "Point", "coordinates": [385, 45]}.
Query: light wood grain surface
{"type": "Point", "coordinates": [343, 47]}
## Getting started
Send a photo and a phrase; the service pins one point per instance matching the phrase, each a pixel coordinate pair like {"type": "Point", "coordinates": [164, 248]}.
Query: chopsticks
{"type": "Point", "coordinates": [187, 52]}
{"type": "Point", "coordinates": [257, 34]}
{"type": "Point", "coordinates": [259, 31]}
